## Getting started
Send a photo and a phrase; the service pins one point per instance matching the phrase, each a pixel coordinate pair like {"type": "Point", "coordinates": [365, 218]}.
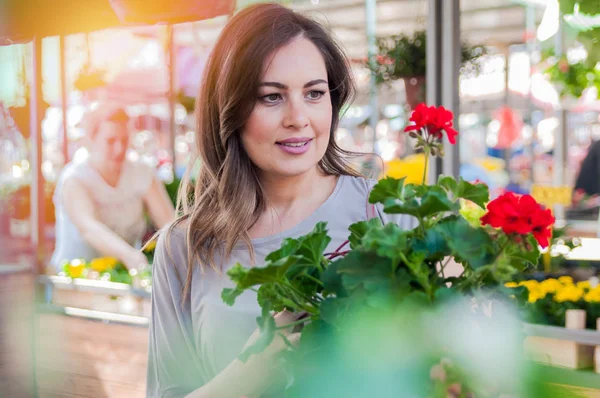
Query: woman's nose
{"type": "Point", "coordinates": [296, 116]}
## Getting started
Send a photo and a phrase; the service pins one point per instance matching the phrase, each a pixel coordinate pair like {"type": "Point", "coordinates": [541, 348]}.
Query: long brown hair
{"type": "Point", "coordinates": [228, 198]}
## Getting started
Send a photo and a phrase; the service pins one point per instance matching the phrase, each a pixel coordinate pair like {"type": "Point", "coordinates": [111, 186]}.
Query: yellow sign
{"type": "Point", "coordinates": [552, 196]}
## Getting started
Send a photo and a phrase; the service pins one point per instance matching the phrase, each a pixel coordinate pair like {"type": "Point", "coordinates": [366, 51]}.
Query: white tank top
{"type": "Point", "coordinates": [120, 208]}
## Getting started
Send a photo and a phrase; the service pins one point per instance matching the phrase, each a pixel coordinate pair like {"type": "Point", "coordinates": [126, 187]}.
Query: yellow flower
{"type": "Point", "coordinates": [511, 284]}
{"type": "Point", "coordinates": [593, 296]}
{"type": "Point", "coordinates": [585, 285]}
{"type": "Point", "coordinates": [103, 264]}
{"type": "Point", "coordinates": [569, 293]}
{"type": "Point", "coordinates": [529, 284]}
{"type": "Point", "coordinates": [150, 246]}
{"type": "Point", "coordinates": [535, 294]}
{"type": "Point", "coordinates": [566, 280]}
{"type": "Point", "coordinates": [76, 268]}
{"type": "Point", "coordinates": [551, 285]}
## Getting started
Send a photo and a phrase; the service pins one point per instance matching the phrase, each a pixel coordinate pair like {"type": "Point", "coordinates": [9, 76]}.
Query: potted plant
{"type": "Point", "coordinates": [405, 57]}
{"type": "Point", "coordinates": [378, 316]}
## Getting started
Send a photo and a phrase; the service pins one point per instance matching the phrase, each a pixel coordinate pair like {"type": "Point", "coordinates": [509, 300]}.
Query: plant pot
{"type": "Point", "coordinates": [415, 90]}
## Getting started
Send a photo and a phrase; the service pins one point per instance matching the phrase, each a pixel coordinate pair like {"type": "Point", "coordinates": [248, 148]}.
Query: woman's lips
{"type": "Point", "coordinates": [295, 146]}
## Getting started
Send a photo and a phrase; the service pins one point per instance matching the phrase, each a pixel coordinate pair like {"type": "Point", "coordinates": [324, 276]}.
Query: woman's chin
{"type": "Point", "coordinates": [291, 171]}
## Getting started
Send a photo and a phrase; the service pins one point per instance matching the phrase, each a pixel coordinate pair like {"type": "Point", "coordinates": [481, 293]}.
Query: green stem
{"type": "Point", "coordinates": [298, 322]}
{"type": "Point", "coordinates": [426, 149]}
{"type": "Point", "coordinates": [286, 341]}
{"type": "Point", "coordinates": [421, 225]}
{"type": "Point", "coordinates": [312, 278]}
{"type": "Point", "coordinates": [443, 265]}
{"type": "Point", "coordinates": [300, 298]}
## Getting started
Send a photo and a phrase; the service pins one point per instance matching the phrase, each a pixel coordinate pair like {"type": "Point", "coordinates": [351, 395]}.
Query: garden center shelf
{"type": "Point", "coordinates": [92, 286]}
{"type": "Point", "coordinates": [581, 336]}
{"type": "Point", "coordinates": [105, 301]}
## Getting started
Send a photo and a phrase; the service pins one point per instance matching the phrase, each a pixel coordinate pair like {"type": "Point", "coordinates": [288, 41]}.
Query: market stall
{"type": "Point", "coordinates": [68, 335]}
{"type": "Point", "coordinates": [86, 302]}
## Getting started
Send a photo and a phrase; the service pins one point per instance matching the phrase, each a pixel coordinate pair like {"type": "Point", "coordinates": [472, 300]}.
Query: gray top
{"type": "Point", "coordinates": [191, 345]}
{"type": "Point", "coordinates": [120, 208]}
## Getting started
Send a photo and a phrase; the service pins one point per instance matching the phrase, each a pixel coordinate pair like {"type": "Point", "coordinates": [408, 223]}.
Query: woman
{"type": "Point", "coordinates": [266, 116]}
{"type": "Point", "coordinates": [100, 200]}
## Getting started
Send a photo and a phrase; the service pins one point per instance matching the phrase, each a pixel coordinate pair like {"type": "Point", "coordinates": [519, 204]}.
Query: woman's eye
{"type": "Point", "coordinates": [271, 98]}
{"type": "Point", "coordinates": [315, 94]}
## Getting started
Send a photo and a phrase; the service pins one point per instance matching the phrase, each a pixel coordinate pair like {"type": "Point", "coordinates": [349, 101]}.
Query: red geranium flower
{"type": "Point", "coordinates": [520, 215]}
{"type": "Point", "coordinates": [434, 121]}
{"type": "Point", "coordinates": [505, 213]}
{"type": "Point", "coordinates": [542, 221]}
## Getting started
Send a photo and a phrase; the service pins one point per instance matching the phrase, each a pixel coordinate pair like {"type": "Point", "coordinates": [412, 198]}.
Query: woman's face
{"type": "Point", "coordinates": [110, 143]}
{"type": "Point", "coordinates": [288, 131]}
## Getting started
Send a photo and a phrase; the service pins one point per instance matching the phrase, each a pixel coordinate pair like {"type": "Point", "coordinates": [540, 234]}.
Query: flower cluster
{"type": "Point", "coordinates": [429, 123]}
{"type": "Point", "coordinates": [103, 264]}
{"type": "Point", "coordinates": [521, 215]}
{"type": "Point", "coordinates": [561, 290]}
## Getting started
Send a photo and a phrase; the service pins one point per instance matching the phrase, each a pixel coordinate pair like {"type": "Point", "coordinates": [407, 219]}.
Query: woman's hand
{"type": "Point", "coordinates": [264, 368]}
{"type": "Point", "coordinates": [278, 344]}
{"type": "Point", "coordinates": [255, 376]}
{"type": "Point", "coordinates": [135, 260]}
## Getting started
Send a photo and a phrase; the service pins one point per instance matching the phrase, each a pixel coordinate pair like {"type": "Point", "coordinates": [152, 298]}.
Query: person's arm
{"type": "Point", "coordinates": [80, 208]}
{"type": "Point", "coordinates": [174, 367]}
{"type": "Point", "coordinates": [160, 207]}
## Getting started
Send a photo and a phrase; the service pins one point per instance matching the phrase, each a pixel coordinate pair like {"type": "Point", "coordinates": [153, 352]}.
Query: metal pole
{"type": "Point", "coordinates": [506, 102]}
{"type": "Point", "coordinates": [371, 20]}
{"type": "Point", "coordinates": [63, 97]}
{"type": "Point", "coordinates": [434, 71]}
{"type": "Point", "coordinates": [559, 157]}
{"type": "Point", "coordinates": [451, 55]}
{"type": "Point", "coordinates": [530, 23]}
{"type": "Point", "coordinates": [171, 95]}
{"type": "Point", "coordinates": [37, 181]}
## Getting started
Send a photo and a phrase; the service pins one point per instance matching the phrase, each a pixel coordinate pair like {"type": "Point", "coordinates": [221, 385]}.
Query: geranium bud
{"type": "Point", "coordinates": [433, 152]}
{"type": "Point", "coordinates": [455, 389]}
{"type": "Point", "coordinates": [441, 151]}
{"type": "Point", "coordinates": [438, 373]}
{"type": "Point", "coordinates": [413, 134]}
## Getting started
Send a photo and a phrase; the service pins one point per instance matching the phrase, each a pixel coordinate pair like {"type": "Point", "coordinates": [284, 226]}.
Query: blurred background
{"type": "Point", "coordinates": [521, 77]}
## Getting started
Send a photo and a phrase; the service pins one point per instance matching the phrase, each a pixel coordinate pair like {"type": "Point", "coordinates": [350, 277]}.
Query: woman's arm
{"type": "Point", "coordinates": [175, 369]}
{"type": "Point", "coordinates": [159, 204]}
{"type": "Point", "coordinates": [80, 208]}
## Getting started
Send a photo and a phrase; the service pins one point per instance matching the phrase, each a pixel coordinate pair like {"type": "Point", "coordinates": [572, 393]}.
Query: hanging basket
{"type": "Point", "coordinates": [415, 90]}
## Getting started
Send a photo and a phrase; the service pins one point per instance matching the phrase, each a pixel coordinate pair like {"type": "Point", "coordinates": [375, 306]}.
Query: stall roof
{"type": "Point", "coordinates": [489, 22]}
{"type": "Point", "coordinates": [20, 20]}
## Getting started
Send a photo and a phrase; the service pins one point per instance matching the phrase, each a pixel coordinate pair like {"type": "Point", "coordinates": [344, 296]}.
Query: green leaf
{"type": "Point", "coordinates": [448, 183]}
{"type": "Point", "coordinates": [476, 193]}
{"type": "Point", "coordinates": [445, 295]}
{"type": "Point", "coordinates": [275, 296]}
{"type": "Point", "coordinates": [334, 309]}
{"type": "Point", "coordinates": [288, 248]}
{"type": "Point", "coordinates": [229, 295]}
{"type": "Point", "coordinates": [360, 266]}
{"type": "Point", "coordinates": [389, 241]}
{"type": "Point", "coordinates": [267, 328]}
{"type": "Point", "coordinates": [314, 244]}
{"type": "Point", "coordinates": [520, 257]}
{"type": "Point", "coordinates": [237, 273]}
{"type": "Point", "coordinates": [472, 245]}
{"type": "Point", "coordinates": [420, 270]}
{"type": "Point", "coordinates": [273, 272]}
{"type": "Point", "coordinates": [332, 280]}
{"type": "Point", "coordinates": [359, 229]}
{"type": "Point", "coordinates": [434, 245]}
{"type": "Point", "coordinates": [426, 201]}
{"type": "Point", "coordinates": [387, 188]}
